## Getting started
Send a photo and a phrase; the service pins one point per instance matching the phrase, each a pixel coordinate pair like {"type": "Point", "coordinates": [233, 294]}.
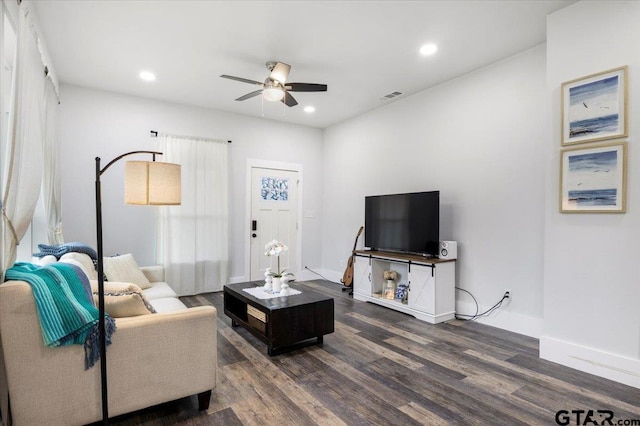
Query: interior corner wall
{"type": "Point", "coordinates": [480, 140]}
{"type": "Point", "coordinates": [97, 123]}
{"type": "Point", "coordinates": [591, 288]}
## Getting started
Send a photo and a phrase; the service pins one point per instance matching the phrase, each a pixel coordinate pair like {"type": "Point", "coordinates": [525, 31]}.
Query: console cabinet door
{"type": "Point", "coordinates": [362, 276]}
{"type": "Point", "coordinates": [421, 289]}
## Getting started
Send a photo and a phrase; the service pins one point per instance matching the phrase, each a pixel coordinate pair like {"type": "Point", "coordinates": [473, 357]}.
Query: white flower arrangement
{"type": "Point", "coordinates": [276, 248]}
{"type": "Point", "coordinates": [390, 275]}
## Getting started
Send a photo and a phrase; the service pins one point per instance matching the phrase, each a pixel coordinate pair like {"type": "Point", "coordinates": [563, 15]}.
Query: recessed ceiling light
{"type": "Point", "coordinates": [309, 109]}
{"type": "Point", "coordinates": [147, 75]}
{"type": "Point", "coordinates": [428, 49]}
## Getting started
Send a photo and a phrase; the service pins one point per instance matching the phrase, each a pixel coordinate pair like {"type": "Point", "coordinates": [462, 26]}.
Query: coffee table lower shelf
{"type": "Point", "coordinates": [283, 323]}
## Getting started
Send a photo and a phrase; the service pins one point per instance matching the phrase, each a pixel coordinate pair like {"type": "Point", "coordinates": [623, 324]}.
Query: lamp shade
{"type": "Point", "coordinates": [152, 183]}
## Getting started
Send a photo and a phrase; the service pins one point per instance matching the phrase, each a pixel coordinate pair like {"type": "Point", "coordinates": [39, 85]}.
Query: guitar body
{"type": "Point", "coordinates": [347, 277]}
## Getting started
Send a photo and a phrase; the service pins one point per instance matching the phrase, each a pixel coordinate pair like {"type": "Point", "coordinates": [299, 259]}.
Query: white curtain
{"type": "Point", "coordinates": [23, 163]}
{"type": "Point", "coordinates": [193, 237]}
{"type": "Point", "coordinates": [24, 146]}
{"type": "Point", "coordinates": [51, 186]}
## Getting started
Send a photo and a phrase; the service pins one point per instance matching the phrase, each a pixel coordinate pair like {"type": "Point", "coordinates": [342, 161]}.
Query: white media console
{"type": "Point", "coordinates": [430, 282]}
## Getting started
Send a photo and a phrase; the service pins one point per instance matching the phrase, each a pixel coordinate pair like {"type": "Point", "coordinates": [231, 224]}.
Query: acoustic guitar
{"type": "Point", "coordinates": [347, 278]}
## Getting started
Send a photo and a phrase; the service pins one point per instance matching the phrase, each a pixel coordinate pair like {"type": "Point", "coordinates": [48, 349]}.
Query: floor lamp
{"type": "Point", "coordinates": [145, 183]}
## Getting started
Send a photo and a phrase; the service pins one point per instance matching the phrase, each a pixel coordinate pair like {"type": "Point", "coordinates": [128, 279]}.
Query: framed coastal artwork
{"type": "Point", "coordinates": [594, 108]}
{"type": "Point", "coordinates": [593, 179]}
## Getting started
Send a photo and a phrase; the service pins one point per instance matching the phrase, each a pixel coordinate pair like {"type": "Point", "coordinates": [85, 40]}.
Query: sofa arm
{"type": "Point", "coordinates": [153, 359]}
{"type": "Point", "coordinates": [153, 273]}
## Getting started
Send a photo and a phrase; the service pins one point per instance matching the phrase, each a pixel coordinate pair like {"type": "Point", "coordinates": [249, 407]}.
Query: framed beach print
{"type": "Point", "coordinates": [594, 108]}
{"type": "Point", "coordinates": [593, 179]}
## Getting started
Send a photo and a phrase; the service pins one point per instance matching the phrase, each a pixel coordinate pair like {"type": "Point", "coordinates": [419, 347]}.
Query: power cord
{"type": "Point", "coordinates": [308, 269]}
{"type": "Point", "coordinates": [464, 317]}
{"type": "Point", "coordinates": [474, 300]}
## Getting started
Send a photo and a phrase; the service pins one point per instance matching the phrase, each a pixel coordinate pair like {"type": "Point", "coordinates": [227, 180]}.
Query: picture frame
{"type": "Point", "coordinates": [593, 179]}
{"type": "Point", "coordinates": [594, 108]}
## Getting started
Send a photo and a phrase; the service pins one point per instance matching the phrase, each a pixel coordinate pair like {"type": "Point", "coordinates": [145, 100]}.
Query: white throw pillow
{"type": "Point", "coordinates": [84, 260]}
{"type": "Point", "coordinates": [46, 260]}
{"type": "Point", "coordinates": [125, 269]}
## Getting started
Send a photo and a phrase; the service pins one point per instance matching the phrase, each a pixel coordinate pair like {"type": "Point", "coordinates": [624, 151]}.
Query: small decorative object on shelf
{"type": "Point", "coordinates": [401, 292]}
{"type": "Point", "coordinates": [276, 248]}
{"type": "Point", "coordinates": [388, 292]}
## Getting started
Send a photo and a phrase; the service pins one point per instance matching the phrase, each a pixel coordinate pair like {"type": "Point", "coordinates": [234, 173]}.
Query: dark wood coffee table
{"type": "Point", "coordinates": [283, 323]}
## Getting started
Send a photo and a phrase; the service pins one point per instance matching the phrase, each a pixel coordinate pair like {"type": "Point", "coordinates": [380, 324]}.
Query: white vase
{"type": "Point", "coordinates": [390, 289]}
{"type": "Point", "coordinates": [276, 285]}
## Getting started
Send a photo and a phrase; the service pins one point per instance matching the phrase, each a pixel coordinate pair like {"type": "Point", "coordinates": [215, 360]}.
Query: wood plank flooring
{"type": "Point", "coordinates": [382, 367]}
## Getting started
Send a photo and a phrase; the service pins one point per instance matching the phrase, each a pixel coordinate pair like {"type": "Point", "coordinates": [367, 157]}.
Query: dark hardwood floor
{"type": "Point", "coordinates": [382, 367]}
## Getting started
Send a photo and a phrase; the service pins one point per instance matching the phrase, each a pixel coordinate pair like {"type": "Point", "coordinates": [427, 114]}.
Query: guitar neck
{"type": "Point", "coordinates": [355, 243]}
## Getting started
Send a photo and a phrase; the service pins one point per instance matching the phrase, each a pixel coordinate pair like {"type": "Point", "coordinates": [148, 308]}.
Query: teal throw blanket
{"type": "Point", "coordinates": [65, 306]}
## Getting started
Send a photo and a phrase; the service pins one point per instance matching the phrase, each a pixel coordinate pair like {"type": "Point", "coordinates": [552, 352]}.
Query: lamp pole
{"type": "Point", "coordinates": [100, 268]}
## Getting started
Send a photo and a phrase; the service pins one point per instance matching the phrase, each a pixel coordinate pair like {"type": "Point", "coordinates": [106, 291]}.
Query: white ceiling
{"type": "Point", "coordinates": [362, 50]}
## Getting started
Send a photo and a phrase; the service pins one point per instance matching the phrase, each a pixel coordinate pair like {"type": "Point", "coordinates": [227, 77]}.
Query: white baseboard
{"type": "Point", "coordinates": [594, 361]}
{"type": "Point", "coordinates": [505, 319]}
{"type": "Point", "coordinates": [235, 280]}
{"type": "Point", "coordinates": [303, 275]}
{"type": "Point", "coordinates": [306, 274]}
{"type": "Point", "coordinates": [501, 318]}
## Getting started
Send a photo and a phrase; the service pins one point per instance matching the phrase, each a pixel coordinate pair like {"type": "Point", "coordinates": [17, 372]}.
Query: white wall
{"type": "Point", "coordinates": [96, 123]}
{"type": "Point", "coordinates": [481, 141]}
{"type": "Point", "coordinates": [592, 289]}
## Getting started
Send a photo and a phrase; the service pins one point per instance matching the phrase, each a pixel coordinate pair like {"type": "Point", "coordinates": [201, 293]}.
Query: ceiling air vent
{"type": "Point", "coordinates": [390, 96]}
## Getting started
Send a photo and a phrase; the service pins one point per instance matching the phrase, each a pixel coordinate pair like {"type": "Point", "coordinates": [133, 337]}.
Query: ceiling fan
{"type": "Point", "coordinates": [275, 87]}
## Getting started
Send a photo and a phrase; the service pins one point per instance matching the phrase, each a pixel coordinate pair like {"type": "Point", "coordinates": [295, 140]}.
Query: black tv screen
{"type": "Point", "coordinates": [403, 222]}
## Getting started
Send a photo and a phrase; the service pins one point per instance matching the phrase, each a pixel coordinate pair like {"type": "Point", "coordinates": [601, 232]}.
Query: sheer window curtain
{"type": "Point", "coordinates": [24, 162]}
{"type": "Point", "coordinates": [51, 186]}
{"type": "Point", "coordinates": [23, 157]}
{"type": "Point", "coordinates": [193, 237]}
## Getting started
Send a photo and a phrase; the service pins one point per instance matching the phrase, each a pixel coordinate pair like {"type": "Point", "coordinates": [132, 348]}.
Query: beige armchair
{"type": "Point", "coordinates": [153, 359]}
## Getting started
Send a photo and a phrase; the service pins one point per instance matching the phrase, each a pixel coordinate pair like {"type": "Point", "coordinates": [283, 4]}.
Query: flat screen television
{"type": "Point", "coordinates": [408, 223]}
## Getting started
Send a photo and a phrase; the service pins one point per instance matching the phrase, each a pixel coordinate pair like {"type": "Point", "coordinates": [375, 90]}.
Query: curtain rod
{"type": "Point", "coordinates": [154, 134]}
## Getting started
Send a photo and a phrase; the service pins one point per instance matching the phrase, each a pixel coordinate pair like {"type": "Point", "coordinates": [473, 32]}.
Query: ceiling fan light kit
{"type": "Point", "coordinates": [273, 92]}
{"type": "Point", "coordinates": [275, 87]}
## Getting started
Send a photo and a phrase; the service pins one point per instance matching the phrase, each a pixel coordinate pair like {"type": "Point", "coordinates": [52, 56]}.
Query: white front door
{"type": "Point", "coordinates": [274, 216]}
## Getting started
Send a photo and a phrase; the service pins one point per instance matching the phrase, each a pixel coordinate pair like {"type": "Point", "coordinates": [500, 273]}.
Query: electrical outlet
{"type": "Point", "coordinates": [507, 293]}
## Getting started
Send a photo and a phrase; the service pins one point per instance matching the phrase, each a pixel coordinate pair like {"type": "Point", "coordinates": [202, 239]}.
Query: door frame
{"type": "Point", "coordinates": [276, 165]}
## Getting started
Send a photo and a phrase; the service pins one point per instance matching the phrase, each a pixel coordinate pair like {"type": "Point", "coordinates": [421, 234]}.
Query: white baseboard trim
{"type": "Point", "coordinates": [235, 280]}
{"type": "Point", "coordinates": [590, 360]}
{"type": "Point", "coordinates": [306, 275]}
{"type": "Point", "coordinates": [504, 318]}
{"type": "Point", "coordinates": [501, 318]}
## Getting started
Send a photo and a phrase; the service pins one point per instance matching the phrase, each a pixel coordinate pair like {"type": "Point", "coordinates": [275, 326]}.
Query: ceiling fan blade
{"type": "Point", "coordinates": [244, 80]}
{"type": "Point", "coordinates": [280, 72]}
{"type": "Point", "coordinates": [306, 87]}
{"type": "Point", "coordinates": [249, 95]}
{"type": "Point", "coordinates": [288, 100]}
